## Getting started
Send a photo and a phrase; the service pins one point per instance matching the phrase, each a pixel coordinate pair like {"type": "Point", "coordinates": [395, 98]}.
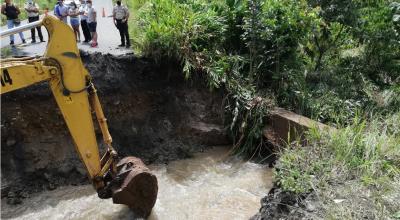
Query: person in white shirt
{"type": "Point", "coordinates": [84, 25]}
{"type": "Point", "coordinates": [92, 22]}
{"type": "Point", "coordinates": [120, 16]}
{"type": "Point", "coordinates": [32, 10]}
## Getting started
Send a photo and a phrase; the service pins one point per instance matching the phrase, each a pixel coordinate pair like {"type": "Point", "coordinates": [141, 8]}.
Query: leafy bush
{"type": "Point", "coordinates": [333, 60]}
{"type": "Point", "coordinates": [206, 38]}
{"type": "Point", "coordinates": [326, 59]}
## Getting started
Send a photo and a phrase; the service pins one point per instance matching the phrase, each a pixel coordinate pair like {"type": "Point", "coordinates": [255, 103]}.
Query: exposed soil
{"type": "Point", "coordinates": [153, 113]}
{"type": "Point", "coordinates": [281, 205]}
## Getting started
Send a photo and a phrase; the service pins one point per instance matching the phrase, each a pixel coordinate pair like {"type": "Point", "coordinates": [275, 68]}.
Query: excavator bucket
{"type": "Point", "coordinates": [138, 187]}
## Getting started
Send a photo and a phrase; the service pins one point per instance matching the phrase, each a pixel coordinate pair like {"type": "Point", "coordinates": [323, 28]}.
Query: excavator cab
{"type": "Point", "coordinates": [127, 181]}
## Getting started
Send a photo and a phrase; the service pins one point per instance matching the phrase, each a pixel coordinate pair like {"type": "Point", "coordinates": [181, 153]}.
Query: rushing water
{"type": "Point", "coordinates": [209, 186]}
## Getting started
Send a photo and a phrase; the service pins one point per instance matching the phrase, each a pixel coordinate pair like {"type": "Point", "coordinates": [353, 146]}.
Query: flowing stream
{"type": "Point", "coordinates": [211, 185]}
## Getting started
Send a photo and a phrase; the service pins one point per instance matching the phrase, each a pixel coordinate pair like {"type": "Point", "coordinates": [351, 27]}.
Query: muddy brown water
{"type": "Point", "coordinates": [211, 185]}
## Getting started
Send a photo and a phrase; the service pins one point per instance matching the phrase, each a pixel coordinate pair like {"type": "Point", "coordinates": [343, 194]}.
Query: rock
{"type": "Point", "coordinates": [167, 125]}
{"type": "Point", "coordinates": [47, 176]}
{"type": "Point", "coordinates": [209, 134]}
{"type": "Point", "coordinates": [5, 189]}
{"type": "Point", "coordinates": [84, 53]}
{"type": "Point", "coordinates": [134, 130]}
{"type": "Point", "coordinates": [183, 152]}
{"type": "Point", "coordinates": [116, 102]}
{"type": "Point", "coordinates": [65, 168]}
{"type": "Point", "coordinates": [14, 201]}
{"type": "Point", "coordinates": [338, 200]}
{"type": "Point", "coordinates": [51, 186]}
{"type": "Point", "coordinates": [24, 194]}
{"type": "Point", "coordinates": [11, 141]}
{"type": "Point", "coordinates": [11, 194]}
{"type": "Point", "coordinates": [81, 170]}
{"type": "Point", "coordinates": [278, 205]}
{"type": "Point", "coordinates": [310, 206]}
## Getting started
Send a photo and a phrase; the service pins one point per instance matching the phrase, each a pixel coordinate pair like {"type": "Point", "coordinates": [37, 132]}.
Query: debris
{"type": "Point", "coordinates": [11, 141]}
{"type": "Point", "coordinates": [338, 200]}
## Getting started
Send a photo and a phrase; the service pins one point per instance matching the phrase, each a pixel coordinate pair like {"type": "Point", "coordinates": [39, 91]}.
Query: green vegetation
{"type": "Point", "coordinates": [205, 38]}
{"type": "Point", "coordinates": [324, 59]}
{"type": "Point", "coordinates": [336, 61]}
{"type": "Point", "coordinates": [5, 52]}
{"type": "Point", "coordinates": [359, 164]}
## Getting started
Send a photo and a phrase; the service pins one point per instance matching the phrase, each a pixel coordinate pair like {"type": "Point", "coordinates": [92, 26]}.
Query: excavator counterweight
{"type": "Point", "coordinates": [127, 181]}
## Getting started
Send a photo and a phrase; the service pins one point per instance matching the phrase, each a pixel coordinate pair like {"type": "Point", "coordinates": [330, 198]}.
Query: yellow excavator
{"type": "Point", "coordinates": [127, 181]}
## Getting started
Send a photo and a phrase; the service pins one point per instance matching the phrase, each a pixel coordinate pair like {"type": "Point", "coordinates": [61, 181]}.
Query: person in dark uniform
{"type": "Point", "coordinates": [12, 11]}
{"type": "Point", "coordinates": [120, 16]}
{"type": "Point", "coordinates": [84, 24]}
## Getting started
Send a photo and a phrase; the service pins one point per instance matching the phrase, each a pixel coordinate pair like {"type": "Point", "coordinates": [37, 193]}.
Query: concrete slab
{"type": "Point", "coordinates": [287, 126]}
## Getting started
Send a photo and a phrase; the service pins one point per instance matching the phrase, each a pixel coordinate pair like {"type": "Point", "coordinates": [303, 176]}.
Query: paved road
{"type": "Point", "coordinates": [108, 36]}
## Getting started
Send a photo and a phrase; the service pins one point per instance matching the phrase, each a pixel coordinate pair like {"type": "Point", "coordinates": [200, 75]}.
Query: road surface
{"type": "Point", "coordinates": [108, 36]}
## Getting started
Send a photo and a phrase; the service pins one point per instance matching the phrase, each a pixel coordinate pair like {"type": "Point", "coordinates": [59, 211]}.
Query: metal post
{"type": "Point", "coordinates": [21, 28]}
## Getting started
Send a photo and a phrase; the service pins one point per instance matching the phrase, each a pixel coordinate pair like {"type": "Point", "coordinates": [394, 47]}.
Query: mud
{"type": "Point", "coordinates": [153, 113]}
{"type": "Point", "coordinates": [279, 204]}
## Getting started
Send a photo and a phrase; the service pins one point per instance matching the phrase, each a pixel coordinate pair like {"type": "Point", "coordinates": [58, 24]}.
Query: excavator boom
{"type": "Point", "coordinates": [127, 181]}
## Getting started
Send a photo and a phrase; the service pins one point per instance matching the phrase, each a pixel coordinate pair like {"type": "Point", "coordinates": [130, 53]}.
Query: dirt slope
{"type": "Point", "coordinates": [153, 113]}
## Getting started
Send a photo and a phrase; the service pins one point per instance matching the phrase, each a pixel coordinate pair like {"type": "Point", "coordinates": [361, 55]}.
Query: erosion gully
{"type": "Point", "coordinates": [211, 185]}
{"type": "Point", "coordinates": [153, 113]}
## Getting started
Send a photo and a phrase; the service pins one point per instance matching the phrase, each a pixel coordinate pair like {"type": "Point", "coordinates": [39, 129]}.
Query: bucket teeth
{"type": "Point", "coordinates": [138, 187]}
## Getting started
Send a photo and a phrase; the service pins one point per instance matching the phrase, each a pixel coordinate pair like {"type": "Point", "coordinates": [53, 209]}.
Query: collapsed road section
{"type": "Point", "coordinates": [153, 114]}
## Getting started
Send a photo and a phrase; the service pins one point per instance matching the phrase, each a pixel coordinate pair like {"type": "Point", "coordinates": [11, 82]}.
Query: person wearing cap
{"type": "Point", "coordinates": [32, 10]}
{"type": "Point", "coordinates": [92, 22]}
{"type": "Point", "coordinates": [61, 11]}
{"type": "Point", "coordinates": [120, 16]}
{"type": "Point", "coordinates": [84, 24]}
{"type": "Point", "coordinates": [12, 11]}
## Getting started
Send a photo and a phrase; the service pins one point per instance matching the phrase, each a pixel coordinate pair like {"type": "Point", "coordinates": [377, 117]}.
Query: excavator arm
{"type": "Point", "coordinates": [75, 106]}
{"type": "Point", "coordinates": [128, 181]}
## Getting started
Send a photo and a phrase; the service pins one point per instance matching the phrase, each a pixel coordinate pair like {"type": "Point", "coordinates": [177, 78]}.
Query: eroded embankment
{"type": "Point", "coordinates": [153, 113]}
{"type": "Point", "coordinates": [212, 184]}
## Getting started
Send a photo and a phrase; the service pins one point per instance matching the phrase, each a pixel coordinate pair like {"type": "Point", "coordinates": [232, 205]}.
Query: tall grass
{"type": "Point", "coordinates": [365, 155]}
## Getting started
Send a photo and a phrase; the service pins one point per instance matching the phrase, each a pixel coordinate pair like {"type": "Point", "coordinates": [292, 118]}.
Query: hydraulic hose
{"type": "Point", "coordinates": [66, 90]}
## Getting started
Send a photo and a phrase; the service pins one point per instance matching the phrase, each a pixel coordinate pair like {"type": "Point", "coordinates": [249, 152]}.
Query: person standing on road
{"type": "Point", "coordinates": [61, 11]}
{"type": "Point", "coordinates": [84, 25]}
{"type": "Point", "coordinates": [11, 11]}
{"type": "Point", "coordinates": [74, 20]}
{"type": "Point", "coordinates": [120, 16]}
{"type": "Point", "coordinates": [32, 10]}
{"type": "Point", "coordinates": [92, 22]}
